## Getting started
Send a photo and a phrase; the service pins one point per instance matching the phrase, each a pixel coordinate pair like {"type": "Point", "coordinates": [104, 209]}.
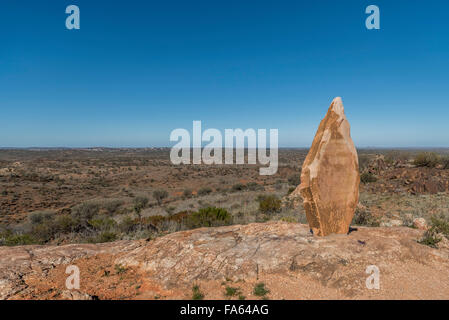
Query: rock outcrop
{"type": "Point", "coordinates": [285, 256]}
{"type": "Point", "coordinates": [330, 175]}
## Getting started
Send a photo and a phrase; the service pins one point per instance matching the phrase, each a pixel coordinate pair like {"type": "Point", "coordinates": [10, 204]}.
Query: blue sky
{"type": "Point", "coordinates": [136, 70]}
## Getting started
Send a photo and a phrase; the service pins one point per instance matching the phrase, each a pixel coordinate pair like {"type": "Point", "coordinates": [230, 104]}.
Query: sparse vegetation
{"type": "Point", "coordinates": [196, 293]}
{"type": "Point", "coordinates": [238, 187]}
{"type": "Point", "coordinates": [294, 180]}
{"type": "Point", "coordinates": [85, 211]}
{"type": "Point", "coordinates": [204, 191]}
{"type": "Point", "coordinates": [439, 227]}
{"type": "Point", "coordinates": [60, 198]}
{"type": "Point", "coordinates": [269, 204]}
{"type": "Point", "coordinates": [260, 290]}
{"type": "Point", "coordinates": [139, 204]}
{"type": "Point", "coordinates": [209, 217]}
{"type": "Point", "coordinates": [187, 193]}
{"type": "Point", "coordinates": [430, 238]}
{"type": "Point", "coordinates": [367, 177]}
{"type": "Point", "coordinates": [440, 224]}
{"type": "Point", "coordinates": [119, 269]}
{"type": "Point", "coordinates": [364, 217]}
{"type": "Point", "coordinates": [160, 195]}
{"type": "Point", "coordinates": [445, 162]}
{"type": "Point", "coordinates": [232, 291]}
{"type": "Point", "coordinates": [426, 159]}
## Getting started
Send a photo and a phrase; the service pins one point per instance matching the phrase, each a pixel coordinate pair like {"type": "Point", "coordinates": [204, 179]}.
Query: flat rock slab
{"type": "Point", "coordinates": [280, 251]}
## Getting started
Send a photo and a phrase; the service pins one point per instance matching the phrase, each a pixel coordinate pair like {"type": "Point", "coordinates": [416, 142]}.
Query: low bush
{"type": "Point", "coordinates": [139, 203]}
{"type": "Point", "coordinates": [204, 191]}
{"type": "Point", "coordinates": [238, 187]}
{"type": "Point", "coordinates": [111, 206]}
{"type": "Point", "coordinates": [231, 291]}
{"type": "Point", "coordinates": [367, 177]}
{"type": "Point", "coordinates": [39, 217]}
{"type": "Point", "coordinates": [106, 236]}
{"type": "Point", "coordinates": [430, 238]}
{"type": "Point", "coordinates": [160, 195]}
{"type": "Point", "coordinates": [187, 193]}
{"type": "Point", "coordinates": [294, 180]}
{"type": "Point", "coordinates": [254, 186]}
{"type": "Point", "coordinates": [269, 204]}
{"type": "Point", "coordinates": [19, 240]}
{"type": "Point", "coordinates": [426, 159]}
{"type": "Point", "coordinates": [364, 217]}
{"type": "Point", "coordinates": [445, 162]}
{"type": "Point", "coordinates": [196, 293]}
{"type": "Point", "coordinates": [85, 211]}
{"type": "Point", "coordinates": [260, 290]}
{"type": "Point", "coordinates": [209, 217]}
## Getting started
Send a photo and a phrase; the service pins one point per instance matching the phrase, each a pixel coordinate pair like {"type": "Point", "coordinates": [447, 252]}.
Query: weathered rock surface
{"type": "Point", "coordinates": [285, 256]}
{"type": "Point", "coordinates": [21, 261]}
{"type": "Point", "coordinates": [330, 175]}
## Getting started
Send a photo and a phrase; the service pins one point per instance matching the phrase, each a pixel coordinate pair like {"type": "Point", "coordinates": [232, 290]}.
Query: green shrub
{"type": "Point", "coordinates": [139, 203]}
{"type": "Point", "coordinates": [364, 161]}
{"type": "Point", "coordinates": [238, 187]}
{"type": "Point", "coordinates": [440, 224]}
{"type": "Point", "coordinates": [127, 225]}
{"type": "Point", "coordinates": [187, 193]}
{"type": "Point", "coordinates": [445, 162]}
{"type": "Point", "coordinates": [269, 204]}
{"type": "Point", "coordinates": [85, 211]}
{"type": "Point", "coordinates": [231, 291]}
{"type": "Point", "coordinates": [196, 293]}
{"type": "Point", "coordinates": [19, 240]}
{"type": "Point", "coordinates": [430, 238]}
{"type": "Point", "coordinates": [367, 177]}
{"type": "Point", "coordinates": [39, 217]}
{"type": "Point", "coordinates": [294, 180]}
{"type": "Point", "coordinates": [254, 186]}
{"type": "Point", "coordinates": [426, 159]}
{"type": "Point", "coordinates": [289, 219]}
{"type": "Point", "coordinates": [111, 206]}
{"type": "Point", "coordinates": [260, 290]}
{"type": "Point", "coordinates": [64, 224]}
{"type": "Point", "coordinates": [395, 155]}
{"type": "Point", "coordinates": [209, 217]}
{"type": "Point", "coordinates": [204, 191]}
{"type": "Point", "coordinates": [119, 269]}
{"type": "Point", "coordinates": [106, 236]}
{"type": "Point", "coordinates": [43, 232]}
{"type": "Point", "coordinates": [160, 195]}
{"type": "Point", "coordinates": [364, 217]}
{"type": "Point", "coordinates": [290, 190]}
{"type": "Point", "coordinates": [102, 224]}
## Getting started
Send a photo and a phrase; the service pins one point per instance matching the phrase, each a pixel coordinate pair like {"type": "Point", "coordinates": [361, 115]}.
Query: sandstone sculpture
{"type": "Point", "coordinates": [330, 175]}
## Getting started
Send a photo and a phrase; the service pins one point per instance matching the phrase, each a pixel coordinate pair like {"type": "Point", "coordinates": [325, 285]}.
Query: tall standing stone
{"type": "Point", "coordinates": [330, 175]}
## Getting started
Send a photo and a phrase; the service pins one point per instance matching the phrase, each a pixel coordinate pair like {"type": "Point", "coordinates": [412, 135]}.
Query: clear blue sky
{"type": "Point", "coordinates": [138, 69]}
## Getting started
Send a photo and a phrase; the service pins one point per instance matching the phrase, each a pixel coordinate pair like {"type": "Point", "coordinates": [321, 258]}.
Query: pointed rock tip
{"type": "Point", "coordinates": [337, 106]}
